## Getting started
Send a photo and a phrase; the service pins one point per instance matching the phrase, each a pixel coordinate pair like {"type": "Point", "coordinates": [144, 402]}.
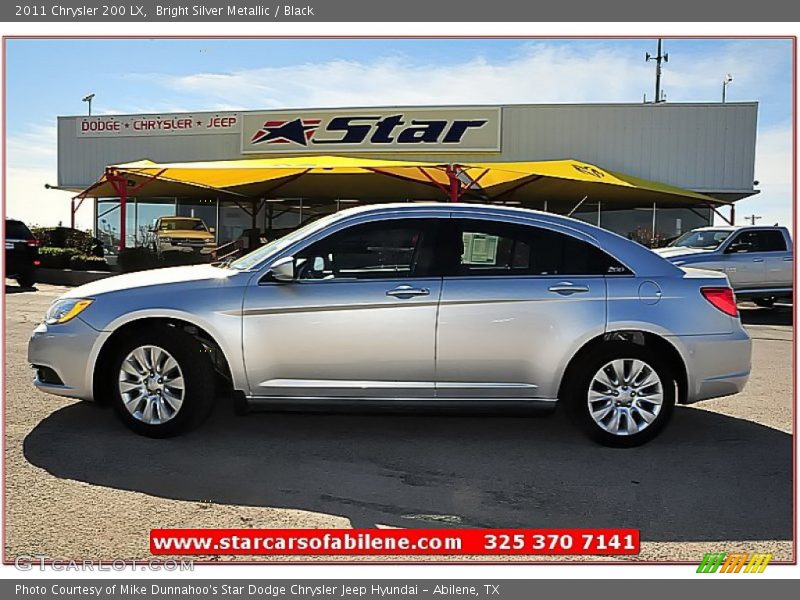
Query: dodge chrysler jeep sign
{"type": "Point", "coordinates": [372, 130]}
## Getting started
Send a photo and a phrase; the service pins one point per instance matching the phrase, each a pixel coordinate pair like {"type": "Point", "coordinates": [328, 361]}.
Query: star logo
{"type": "Point", "coordinates": [298, 131]}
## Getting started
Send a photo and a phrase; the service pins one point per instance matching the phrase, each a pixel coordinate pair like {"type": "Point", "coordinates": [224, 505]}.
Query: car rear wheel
{"type": "Point", "coordinates": [624, 395]}
{"type": "Point", "coordinates": [764, 302]}
{"type": "Point", "coordinates": [26, 280]}
{"type": "Point", "coordinates": [162, 382]}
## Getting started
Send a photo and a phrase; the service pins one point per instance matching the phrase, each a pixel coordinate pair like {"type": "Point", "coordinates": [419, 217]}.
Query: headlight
{"type": "Point", "coordinates": [65, 310]}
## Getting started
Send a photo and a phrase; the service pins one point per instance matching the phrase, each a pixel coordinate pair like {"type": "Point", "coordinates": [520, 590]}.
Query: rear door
{"type": "Point", "coordinates": [516, 301]}
{"type": "Point", "coordinates": [746, 259]}
{"type": "Point", "coordinates": [777, 259]}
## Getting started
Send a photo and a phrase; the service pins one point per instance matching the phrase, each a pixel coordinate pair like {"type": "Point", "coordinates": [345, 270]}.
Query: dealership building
{"type": "Point", "coordinates": [707, 148]}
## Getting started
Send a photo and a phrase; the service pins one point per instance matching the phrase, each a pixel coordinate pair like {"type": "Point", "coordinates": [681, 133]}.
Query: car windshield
{"type": "Point", "coordinates": [182, 225]}
{"type": "Point", "coordinates": [258, 255]}
{"type": "Point", "coordinates": [707, 239]}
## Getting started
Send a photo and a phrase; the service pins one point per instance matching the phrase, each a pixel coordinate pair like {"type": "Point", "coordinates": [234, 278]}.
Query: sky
{"type": "Point", "coordinates": [48, 78]}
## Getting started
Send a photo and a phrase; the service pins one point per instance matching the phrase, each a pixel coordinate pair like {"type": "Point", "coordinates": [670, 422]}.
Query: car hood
{"type": "Point", "coordinates": [185, 233]}
{"type": "Point", "coordinates": [671, 252]}
{"type": "Point", "coordinates": [152, 277]}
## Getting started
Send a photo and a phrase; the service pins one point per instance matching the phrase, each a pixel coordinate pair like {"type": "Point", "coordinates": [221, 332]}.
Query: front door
{"type": "Point", "coordinates": [514, 306]}
{"type": "Point", "coordinates": [359, 321]}
{"type": "Point", "coordinates": [745, 261]}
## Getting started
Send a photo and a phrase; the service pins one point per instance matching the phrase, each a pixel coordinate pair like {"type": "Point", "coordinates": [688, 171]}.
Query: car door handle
{"type": "Point", "coordinates": [407, 291]}
{"type": "Point", "coordinates": [787, 259]}
{"type": "Point", "coordinates": [565, 289]}
{"type": "Point", "coordinates": [758, 260]}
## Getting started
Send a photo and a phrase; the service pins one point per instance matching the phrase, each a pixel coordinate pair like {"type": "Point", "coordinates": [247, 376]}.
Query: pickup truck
{"type": "Point", "coordinates": [757, 260]}
{"type": "Point", "coordinates": [182, 234]}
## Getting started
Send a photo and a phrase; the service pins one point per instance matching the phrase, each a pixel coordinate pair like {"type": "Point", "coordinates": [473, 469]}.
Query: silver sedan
{"type": "Point", "coordinates": [413, 304]}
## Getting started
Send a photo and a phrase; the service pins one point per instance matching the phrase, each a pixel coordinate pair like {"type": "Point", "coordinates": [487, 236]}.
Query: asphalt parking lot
{"type": "Point", "coordinates": [80, 486]}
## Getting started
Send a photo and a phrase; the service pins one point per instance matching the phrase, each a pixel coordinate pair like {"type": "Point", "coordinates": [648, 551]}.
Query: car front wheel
{"type": "Point", "coordinates": [162, 382]}
{"type": "Point", "coordinates": [624, 395]}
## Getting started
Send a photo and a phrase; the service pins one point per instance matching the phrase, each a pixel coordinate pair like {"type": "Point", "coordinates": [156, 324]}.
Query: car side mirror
{"type": "Point", "coordinates": [212, 230]}
{"type": "Point", "coordinates": [283, 269]}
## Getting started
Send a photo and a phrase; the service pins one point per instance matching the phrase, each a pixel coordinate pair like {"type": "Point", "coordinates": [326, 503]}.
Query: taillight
{"type": "Point", "coordinates": [722, 298]}
{"type": "Point", "coordinates": [37, 262]}
{"type": "Point", "coordinates": [32, 243]}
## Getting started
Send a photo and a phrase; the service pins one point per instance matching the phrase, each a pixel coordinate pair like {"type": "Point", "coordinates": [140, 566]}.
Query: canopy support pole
{"type": "Point", "coordinates": [730, 220]}
{"type": "Point", "coordinates": [74, 209]}
{"type": "Point", "coordinates": [120, 184]}
{"type": "Point", "coordinates": [653, 233]}
{"type": "Point", "coordinates": [455, 184]}
{"type": "Point", "coordinates": [577, 206]}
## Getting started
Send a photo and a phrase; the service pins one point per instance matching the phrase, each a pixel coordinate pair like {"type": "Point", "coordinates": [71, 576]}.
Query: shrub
{"type": "Point", "coordinates": [81, 262]}
{"type": "Point", "coordinates": [137, 259]}
{"type": "Point", "coordinates": [56, 258]}
{"type": "Point", "coordinates": [65, 237]}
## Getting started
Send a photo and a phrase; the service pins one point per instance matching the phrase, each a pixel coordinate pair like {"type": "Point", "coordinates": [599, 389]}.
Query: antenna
{"type": "Point", "coordinates": [659, 58]}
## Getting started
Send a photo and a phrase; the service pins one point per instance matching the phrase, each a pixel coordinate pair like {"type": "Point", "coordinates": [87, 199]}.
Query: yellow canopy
{"type": "Point", "coordinates": [331, 177]}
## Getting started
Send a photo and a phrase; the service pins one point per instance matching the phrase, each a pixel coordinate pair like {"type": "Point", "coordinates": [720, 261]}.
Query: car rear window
{"type": "Point", "coordinates": [17, 230]}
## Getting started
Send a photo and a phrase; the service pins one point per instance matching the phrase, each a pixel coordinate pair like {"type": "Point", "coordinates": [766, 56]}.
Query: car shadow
{"type": "Point", "coordinates": [779, 315]}
{"type": "Point", "coordinates": [707, 477]}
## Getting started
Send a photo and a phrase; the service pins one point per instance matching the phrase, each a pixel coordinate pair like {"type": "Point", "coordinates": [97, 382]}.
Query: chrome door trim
{"type": "Point", "coordinates": [344, 383]}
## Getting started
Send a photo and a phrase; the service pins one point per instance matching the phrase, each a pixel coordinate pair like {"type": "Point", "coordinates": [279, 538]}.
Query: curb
{"type": "Point", "coordinates": [69, 277]}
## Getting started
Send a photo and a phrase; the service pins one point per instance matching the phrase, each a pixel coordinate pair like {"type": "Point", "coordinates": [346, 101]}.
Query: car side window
{"type": "Point", "coordinates": [492, 248]}
{"type": "Point", "coordinates": [758, 241]}
{"type": "Point", "coordinates": [771, 241]}
{"type": "Point", "coordinates": [382, 250]}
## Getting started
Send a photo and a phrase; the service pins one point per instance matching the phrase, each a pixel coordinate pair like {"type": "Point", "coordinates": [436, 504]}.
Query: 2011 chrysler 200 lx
{"type": "Point", "coordinates": [410, 304]}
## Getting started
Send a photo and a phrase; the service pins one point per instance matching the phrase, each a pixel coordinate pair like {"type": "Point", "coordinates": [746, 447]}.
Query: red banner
{"type": "Point", "coordinates": [347, 542]}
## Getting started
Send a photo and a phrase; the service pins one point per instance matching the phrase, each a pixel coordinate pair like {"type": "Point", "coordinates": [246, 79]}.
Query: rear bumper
{"type": "Point", "coordinates": [717, 365]}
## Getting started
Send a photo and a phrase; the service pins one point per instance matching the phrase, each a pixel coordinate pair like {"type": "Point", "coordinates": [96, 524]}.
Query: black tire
{"type": "Point", "coordinates": [578, 393]}
{"type": "Point", "coordinates": [764, 302]}
{"type": "Point", "coordinates": [26, 280]}
{"type": "Point", "coordinates": [198, 377]}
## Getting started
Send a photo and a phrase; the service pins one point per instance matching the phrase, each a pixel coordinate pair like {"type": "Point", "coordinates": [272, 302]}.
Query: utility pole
{"type": "Point", "coordinates": [725, 83]}
{"type": "Point", "coordinates": [659, 58]}
{"type": "Point", "coordinates": [752, 219]}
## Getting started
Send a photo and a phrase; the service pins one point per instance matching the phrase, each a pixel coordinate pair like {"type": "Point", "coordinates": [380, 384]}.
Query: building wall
{"type": "Point", "coordinates": [708, 147]}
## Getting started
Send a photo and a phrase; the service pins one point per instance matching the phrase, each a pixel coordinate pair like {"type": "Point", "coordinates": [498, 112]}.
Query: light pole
{"type": "Point", "coordinates": [725, 83]}
{"type": "Point", "coordinates": [88, 99]}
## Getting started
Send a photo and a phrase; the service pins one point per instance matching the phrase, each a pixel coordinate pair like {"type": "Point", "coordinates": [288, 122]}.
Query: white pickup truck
{"type": "Point", "coordinates": [757, 260]}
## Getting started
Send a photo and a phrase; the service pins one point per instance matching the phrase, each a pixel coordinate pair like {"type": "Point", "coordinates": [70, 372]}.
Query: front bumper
{"type": "Point", "coordinates": [717, 365]}
{"type": "Point", "coordinates": [69, 350]}
{"type": "Point", "coordinates": [200, 247]}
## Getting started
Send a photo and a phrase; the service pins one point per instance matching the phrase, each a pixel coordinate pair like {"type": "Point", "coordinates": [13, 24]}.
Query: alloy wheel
{"type": "Point", "coordinates": [625, 396]}
{"type": "Point", "coordinates": [151, 385]}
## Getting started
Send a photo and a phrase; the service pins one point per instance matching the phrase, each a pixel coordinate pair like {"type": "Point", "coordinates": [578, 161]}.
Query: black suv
{"type": "Point", "coordinates": [22, 253]}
